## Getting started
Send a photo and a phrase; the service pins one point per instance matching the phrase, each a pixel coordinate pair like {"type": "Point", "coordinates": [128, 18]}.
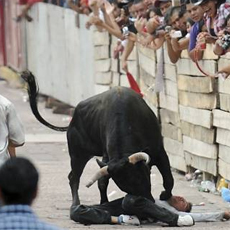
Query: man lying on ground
{"type": "Point", "coordinates": [134, 210]}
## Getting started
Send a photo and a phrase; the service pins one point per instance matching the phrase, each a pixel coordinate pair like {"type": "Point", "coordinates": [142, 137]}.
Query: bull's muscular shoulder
{"type": "Point", "coordinates": [116, 100]}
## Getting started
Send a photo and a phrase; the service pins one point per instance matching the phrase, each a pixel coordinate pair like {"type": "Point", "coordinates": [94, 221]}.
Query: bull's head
{"type": "Point", "coordinates": [132, 174]}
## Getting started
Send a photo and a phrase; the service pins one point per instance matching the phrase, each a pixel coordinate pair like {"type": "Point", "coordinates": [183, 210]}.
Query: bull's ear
{"type": "Point", "coordinates": [101, 163]}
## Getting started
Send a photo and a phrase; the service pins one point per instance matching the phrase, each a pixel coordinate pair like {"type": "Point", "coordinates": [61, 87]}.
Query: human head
{"type": "Point", "coordinates": [195, 12]}
{"type": "Point", "coordinates": [180, 204]}
{"type": "Point", "coordinates": [153, 11]}
{"type": "Point", "coordinates": [175, 17]}
{"type": "Point", "coordinates": [18, 181]}
{"type": "Point", "coordinates": [140, 8]}
{"type": "Point", "coordinates": [163, 5]}
{"type": "Point", "coordinates": [210, 6]}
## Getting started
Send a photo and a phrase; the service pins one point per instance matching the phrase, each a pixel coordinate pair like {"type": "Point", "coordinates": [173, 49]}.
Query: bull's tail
{"type": "Point", "coordinates": [33, 93]}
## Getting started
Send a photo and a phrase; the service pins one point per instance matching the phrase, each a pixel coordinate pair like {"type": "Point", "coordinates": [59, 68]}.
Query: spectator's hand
{"type": "Point", "coordinates": [88, 25]}
{"type": "Point", "coordinates": [220, 34]}
{"type": "Point", "coordinates": [96, 21]}
{"type": "Point", "coordinates": [167, 37]}
{"type": "Point", "coordinates": [139, 24]}
{"type": "Point", "coordinates": [205, 37]}
{"type": "Point", "coordinates": [125, 66]}
{"type": "Point", "coordinates": [152, 24]}
{"type": "Point", "coordinates": [224, 72]}
{"type": "Point", "coordinates": [92, 3]}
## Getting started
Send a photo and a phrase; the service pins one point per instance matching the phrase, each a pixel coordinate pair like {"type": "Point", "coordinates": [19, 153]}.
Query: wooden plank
{"type": "Point", "coordinates": [168, 116]}
{"type": "Point", "coordinates": [171, 131]}
{"type": "Point", "coordinates": [224, 153]}
{"type": "Point", "coordinates": [198, 100]}
{"type": "Point", "coordinates": [195, 84]}
{"type": "Point", "coordinates": [168, 102]}
{"type": "Point", "coordinates": [196, 116]}
{"type": "Point", "coordinates": [223, 136]}
{"type": "Point", "coordinates": [198, 132]}
{"type": "Point", "coordinates": [173, 146]}
{"type": "Point", "coordinates": [201, 163]}
{"type": "Point", "coordinates": [225, 102]}
{"type": "Point", "coordinates": [200, 148]}
{"type": "Point", "coordinates": [224, 169]}
{"type": "Point", "coordinates": [187, 66]}
{"type": "Point", "coordinates": [177, 162]}
{"type": "Point", "coordinates": [221, 119]}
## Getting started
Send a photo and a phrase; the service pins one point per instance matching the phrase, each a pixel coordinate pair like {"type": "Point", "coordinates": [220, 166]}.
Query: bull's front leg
{"type": "Point", "coordinates": [163, 166]}
{"type": "Point", "coordinates": [104, 181]}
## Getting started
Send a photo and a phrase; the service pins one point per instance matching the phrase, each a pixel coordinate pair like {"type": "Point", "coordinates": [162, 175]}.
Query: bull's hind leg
{"type": "Point", "coordinates": [77, 167]}
{"type": "Point", "coordinates": [79, 157]}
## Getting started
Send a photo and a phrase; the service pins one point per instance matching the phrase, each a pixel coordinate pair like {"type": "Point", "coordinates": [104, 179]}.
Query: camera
{"type": "Point", "coordinates": [125, 31]}
{"type": "Point", "coordinates": [168, 29]}
{"type": "Point", "coordinates": [224, 42]}
{"type": "Point", "coordinates": [176, 34]}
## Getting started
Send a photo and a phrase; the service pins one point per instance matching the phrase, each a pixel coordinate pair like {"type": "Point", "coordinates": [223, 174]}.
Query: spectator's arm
{"type": "Point", "coordinates": [218, 50]}
{"type": "Point", "coordinates": [116, 32]}
{"type": "Point", "coordinates": [127, 51]}
{"type": "Point", "coordinates": [12, 151]}
{"type": "Point", "coordinates": [179, 45]}
{"type": "Point", "coordinates": [73, 6]}
{"type": "Point", "coordinates": [157, 43]}
{"type": "Point", "coordinates": [173, 56]}
{"type": "Point", "coordinates": [198, 52]}
{"type": "Point", "coordinates": [226, 70]}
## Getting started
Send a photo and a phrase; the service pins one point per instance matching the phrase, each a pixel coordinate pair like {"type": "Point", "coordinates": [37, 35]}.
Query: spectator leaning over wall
{"type": "Point", "coordinates": [196, 13]}
{"type": "Point", "coordinates": [175, 17]}
{"type": "Point", "coordinates": [155, 25]}
{"type": "Point", "coordinates": [214, 17]}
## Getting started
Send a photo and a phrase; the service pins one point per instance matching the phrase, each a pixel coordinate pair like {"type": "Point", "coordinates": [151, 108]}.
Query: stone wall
{"type": "Point", "coordinates": [193, 109]}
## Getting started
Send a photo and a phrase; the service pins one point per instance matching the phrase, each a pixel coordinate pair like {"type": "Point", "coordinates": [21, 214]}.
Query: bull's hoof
{"type": "Point", "coordinates": [165, 195]}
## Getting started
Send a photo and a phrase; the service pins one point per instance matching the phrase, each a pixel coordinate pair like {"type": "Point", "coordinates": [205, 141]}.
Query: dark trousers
{"type": "Point", "coordinates": [142, 207]}
{"type": "Point", "coordinates": [97, 214]}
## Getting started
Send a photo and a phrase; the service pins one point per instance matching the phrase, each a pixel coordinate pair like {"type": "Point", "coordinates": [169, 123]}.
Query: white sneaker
{"type": "Point", "coordinates": [186, 220]}
{"type": "Point", "coordinates": [129, 220]}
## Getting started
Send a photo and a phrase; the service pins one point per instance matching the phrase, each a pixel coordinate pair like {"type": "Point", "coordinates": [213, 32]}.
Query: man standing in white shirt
{"type": "Point", "coordinates": [11, 130]}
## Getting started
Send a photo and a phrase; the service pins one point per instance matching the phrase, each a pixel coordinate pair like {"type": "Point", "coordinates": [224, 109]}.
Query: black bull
{"type": "Point", "coordinates": [114, 124]}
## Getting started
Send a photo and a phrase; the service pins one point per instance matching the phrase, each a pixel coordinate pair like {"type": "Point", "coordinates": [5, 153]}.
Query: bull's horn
{"type": "Point", "coordinates": [136, 157]}
{"type": "Point", "coordinates": [102, 172]}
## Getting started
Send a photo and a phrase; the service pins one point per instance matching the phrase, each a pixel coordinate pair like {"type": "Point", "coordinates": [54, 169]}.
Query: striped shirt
{"type": "Point", "coordinates": [219, 20]}
{"type": "Point", "coordinates": [21, 217]}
